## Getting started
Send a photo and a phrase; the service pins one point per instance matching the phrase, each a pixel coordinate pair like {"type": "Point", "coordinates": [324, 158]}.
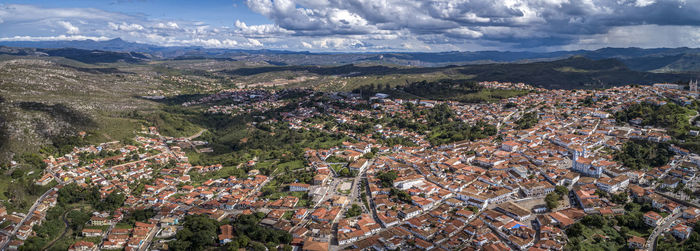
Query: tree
{"type": "Point", "coordinates": [77, 219]}
{"type": "Point", "coordinates": [552, 200]}
{"type": "Point", "coordinates": [619, 198]}
{"type": "Point", "coordinates": [401, 195]}
{"type": "Point", "coordinates": [387, 178]}
{"type": "Point", "coordinates": [527, 121]}
{"type": "Point", "coordinates": [354, 211]}
{"type": "Point", "coordinates": [345, 172]}
{"type": "Point", "coordinates": [575, 230]}
{"type": "Point", "coordinates": [595, 220]}
{"type": "Point", "coordinates": [561, 190]}
{"type": "Point", "coordinates": [16, 174]}
{"type": "Point", "coordinates": [638, 154]}
{"type": "Point", "coordinates": [198, 232]}
{"type": "Point", "coordinates": [113, 201]}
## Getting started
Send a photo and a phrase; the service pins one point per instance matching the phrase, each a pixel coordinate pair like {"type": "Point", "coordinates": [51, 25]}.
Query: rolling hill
{"type": "Point", "coordinates": [638, 59]}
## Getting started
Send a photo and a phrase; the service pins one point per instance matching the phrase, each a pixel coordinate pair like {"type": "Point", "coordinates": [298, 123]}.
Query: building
{"type": "Point", "coordinates": [44, 180]}
{"type": "Point", "coordinates": [652, 218]}
{"type": "Point", "coordinates": [535, 189]}
{"type": "Point", "coordinates": [636, 242]}
{"type": "Point", "coordinates": [100, 221]}
{"type": "Point", "coordinates": [669, 86]}
{"type": "Point", "coordinates": [510, 146]}
{"type": "Point", "coordinates": [693, 85]}
{"type": "Point", "coordinates": [83, 246]}
{"type": "Point", "coordinates": [681, 231]}
{"type": "Point", "coordinates": [691, 213]}
{"type": "Point", "coordinates": [226, 234]}
{"type": "Point", "coordinates": [311, 245]}
{"type": "Point", "coordinates": [585, 166]}
{"type": "Point", "coordinates": [514, 211]}
{"type": "Point", "coordinates": [613, 185]}
{"type": "Point", "coordinates": [89, 232]}
{"type": "Point", "coordinates": [358, 165]}
{"type": "Point", "coordinates": [296, 187]}
{"type": "Point", "coordinates": [320, 179]}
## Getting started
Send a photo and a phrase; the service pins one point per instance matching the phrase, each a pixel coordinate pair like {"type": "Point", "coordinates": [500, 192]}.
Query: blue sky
{"type": "Point", "coordinates": [214, 12]}
{"type": "Point", "coordinates": [361, 25]}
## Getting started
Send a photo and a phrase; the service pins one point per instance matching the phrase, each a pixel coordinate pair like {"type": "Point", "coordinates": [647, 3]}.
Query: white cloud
{"type": "Point", "coordinates": [338, 43]}
{"type": "Point", "coordinates": [125, 27]}
{"type": "Point", "coordinates": [70, 28]}
{"type": "Point", "coordinates": [254, 43]}
{"type": "Point", "coordinates": [263, 29]}
{"type": "Point", "coordinates": [167, 25]}
{"type": "Point", "coordinates": [374, 25]}
{"type": "Point", "coordinates": [531, 23]}
{"type": "Point", "coordinates": [644, 3]}
{"type": "Point", "coordinates": [464, 33]}
{"type": "Point", "coordinates": [53, 38]}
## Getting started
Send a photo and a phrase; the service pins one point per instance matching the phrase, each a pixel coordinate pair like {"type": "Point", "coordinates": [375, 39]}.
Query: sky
{"type": "Point", "coordinates": [361, 25]}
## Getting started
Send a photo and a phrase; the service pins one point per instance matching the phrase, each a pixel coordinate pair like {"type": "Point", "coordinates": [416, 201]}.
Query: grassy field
{"type": "Point", "coordinates": [292, 165]}
{"type": "Point", "coordinates": [17, 188]}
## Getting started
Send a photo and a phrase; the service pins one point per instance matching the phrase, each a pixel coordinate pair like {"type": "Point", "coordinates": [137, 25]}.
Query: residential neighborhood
{"type": "Point", "coordinates": [541, 171]}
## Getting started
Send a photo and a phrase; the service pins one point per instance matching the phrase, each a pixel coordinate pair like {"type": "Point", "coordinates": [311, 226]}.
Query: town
{"type": "Point", "coordinates": [547, 170]}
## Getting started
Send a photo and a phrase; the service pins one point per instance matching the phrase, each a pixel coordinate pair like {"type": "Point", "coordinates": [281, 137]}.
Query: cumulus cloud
{"type": "Point", "coordinates": [263, 29]}
{"type": "Point", "coordinates": [32, 23]}
{"type": "Point", "coordinates": [167, 25]}
{"type": "Point", "coordinates": [563, 21]}
{"type": "Point", "coordinates": [125, 27]}
{"type": "Point", "coordinates": [379, 25]}
{"type": "Point", "coordinates": [70, 28]}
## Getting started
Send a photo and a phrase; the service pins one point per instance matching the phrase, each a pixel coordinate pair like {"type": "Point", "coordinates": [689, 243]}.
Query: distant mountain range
{"type": "Point", "coordinates": [660, 60]}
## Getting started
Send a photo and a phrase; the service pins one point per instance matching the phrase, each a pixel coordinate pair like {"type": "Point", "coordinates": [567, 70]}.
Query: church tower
{"type": "Point", "coordinates": [693, 85]}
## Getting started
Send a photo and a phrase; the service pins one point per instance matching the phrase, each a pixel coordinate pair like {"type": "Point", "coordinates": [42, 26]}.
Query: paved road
{"type": "Point", "coordinates": [356, 182]}
{"type": "Point", "coordinates": [147, 242]}
{"type": "Point", "coordinates": [665, 224]}
{"type": "Point", "coordinates": [29, 215]}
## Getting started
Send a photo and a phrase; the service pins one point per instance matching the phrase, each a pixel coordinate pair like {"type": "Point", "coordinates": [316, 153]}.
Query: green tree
{"type": "Point", "coordinates": [353, 211]}
{"type": "Point", "coordinates": [575, 230]}
{"type": "Point", "coordinates": [561, 190]}
{"type": "Point", "coordinates": [198, 232]}
{"type": "Point", "coordinates": [552, 200]}
{"type": "Point", "coordinates": [387, 178]}
{"type": "Point", "coordinates": [527, 121]}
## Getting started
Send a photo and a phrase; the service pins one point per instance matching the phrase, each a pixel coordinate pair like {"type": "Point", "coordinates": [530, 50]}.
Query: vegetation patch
{"type": "Point", "coordinates": [638, 154]}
